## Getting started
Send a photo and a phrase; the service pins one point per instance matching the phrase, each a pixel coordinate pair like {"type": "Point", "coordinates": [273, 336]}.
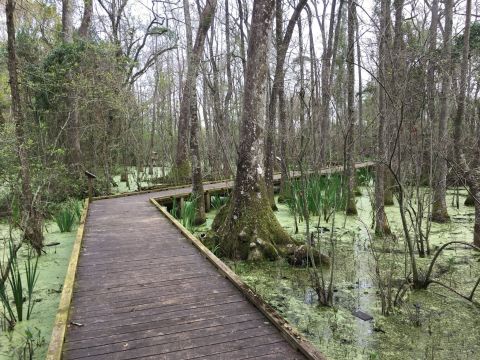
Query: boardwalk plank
{"type": "Point", "coordinates": [224, 348]}
{"type": "Point", "coordinates": [221, 322]}
{"type": "Point", "coordinates": [167, 302]}
{"type": "Point", "coordinates": [180, 341]}
{"type": "Point", "coordinates": [139, 292]}
{"type": "Point", "coordinates": [161, 311]}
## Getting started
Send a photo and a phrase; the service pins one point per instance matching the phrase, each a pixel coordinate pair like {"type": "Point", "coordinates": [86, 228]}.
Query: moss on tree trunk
{"type": "Point", "coordinates": [246, 228]}
{"type": "Point", "coordinates": [250, 230]}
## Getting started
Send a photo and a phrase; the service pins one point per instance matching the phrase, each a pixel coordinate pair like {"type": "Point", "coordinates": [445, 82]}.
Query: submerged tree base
{"type": "Point", "coordinates": [181, 173]}
{"type": "Point", "coordinates": [300, 256]}
{"type": "Point", "coordinates": [440, 216]}
{"type": "Point", "coordinates": [255, 234]}
{"type": "Point", "coordinates": [351, 209]}
{"type": "Point", "coordinates": [469, 200]}
{"type": "Point", "coordinates": [384, 230]}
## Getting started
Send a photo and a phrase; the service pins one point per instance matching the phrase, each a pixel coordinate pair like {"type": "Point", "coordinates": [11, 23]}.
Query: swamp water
{"type": "Point", "coordinates": [135, 178]}
{"type": "Point", "coordinates": [429, 324]}
{"type": "Point", "coordinates": [52, 267]}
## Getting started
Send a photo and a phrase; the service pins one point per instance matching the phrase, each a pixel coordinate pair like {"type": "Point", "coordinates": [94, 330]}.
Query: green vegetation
{"type": "Point", "coordinates": [217, 201]}
{"type": "Point", "coordinates": [109, 88]}
{"type": "Point", "coordinates": [42, 280]}
{"type": "Point", "coordinates": [364, 177]}
{"type": "Point", "coordinates": [13, 286]}
{"type": "Point", "coordinates": [433, 323]}
{"type": "Point", "coordinates": [322, 195]}
{"type": "Point", "coordinates": [65, 220]}
{"type": "Point", "coordinates": [68, 213]}
{"type": "Point", "coordinates": [184, 212]}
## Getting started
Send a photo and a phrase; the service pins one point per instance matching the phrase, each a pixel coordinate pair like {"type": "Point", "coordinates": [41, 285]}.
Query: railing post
{"type": "Point", "coordinates": [90, 178]}
{"type": "Point", "coordinates": [182, 204]}
{"type": "Point", "coordinates": [207, 201]}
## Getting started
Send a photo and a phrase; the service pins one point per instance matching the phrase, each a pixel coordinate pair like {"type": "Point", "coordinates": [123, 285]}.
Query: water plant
{"type": "Point", "coordinates": [76, 206]}
{"type": "Point", "coordinates": [65, 219]}
{"type": "Point", "coordinates": [175, 208]}
{"type": "Point", "coordinates": [8, 313]}
{"type": "Point", "coordinates": [187, 213]}
{"type": "Point", "coordinates": [364, 176]}
{"type": "Point", "coordinates": [184, 211]}
{"type": "Point", "coordinates": [32, 340]}
{"type": "Point", "coordinates": [31, 275]}
{"type": "Point", "coordinates": [217, 201]}
{"type": "Point", "coordinates": [321, 195]}
{"type": "Point", "coordinates": [15, 286]}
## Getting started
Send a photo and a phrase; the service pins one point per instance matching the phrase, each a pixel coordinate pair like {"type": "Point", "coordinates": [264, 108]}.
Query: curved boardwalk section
{"type": "Point", "coordinates": [143, 291]}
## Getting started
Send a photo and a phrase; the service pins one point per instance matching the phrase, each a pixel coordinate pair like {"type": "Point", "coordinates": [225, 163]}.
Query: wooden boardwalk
{"type": "Point", "coordinates": [143, 291]}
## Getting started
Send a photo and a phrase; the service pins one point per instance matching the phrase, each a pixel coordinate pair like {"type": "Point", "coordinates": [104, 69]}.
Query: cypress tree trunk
{"type": "Point", "coordinates": [439, 208]}
{"type": "Point", "coordinates": [328, 66]}
{"type": "Point", "coordinates": [471, 176]}
{"type": "Point", "coordinates": [73, 133]}
{"type": "Point", "coordinates": [31, 223]}
{"type": "Point", "coordinates": [86, 19]}
{"type": "Point", "coordinates": [247, 227]}
{"type": "Point", "coordinates": [189, 108]}
{"type": "Point", "coordinates": [381, 225]}
{"type": "Point", "coordinates": [351, 208]}
{"type": "Point", "coordinates": [181, 168]}
{"type": "Point", "coordinates": [278, 81]}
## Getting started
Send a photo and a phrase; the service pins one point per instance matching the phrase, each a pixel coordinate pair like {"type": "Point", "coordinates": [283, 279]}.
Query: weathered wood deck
{"type": "Point", "coordinates": [143, 291]}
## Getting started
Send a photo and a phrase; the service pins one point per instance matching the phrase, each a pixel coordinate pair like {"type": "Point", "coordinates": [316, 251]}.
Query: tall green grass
{"type": "Point", "coordinates": [66, 216]}
{"type": "Point", "coordinates": [65, 220]}
{"type": "Point", "coordinates": [185, 214]}
{"type": "Point", "coordinates": [14, 287]}
{"type": "Point", "coordinates": [364, 176]}
{"type": "Point", "coordinates": [174, 211]}
{"type": "Point", "coordinates": [322, 194]}
{"type": "Point", "coordinates": [31, 276]}
{"type": "Point", "coordinates": [217, 201]}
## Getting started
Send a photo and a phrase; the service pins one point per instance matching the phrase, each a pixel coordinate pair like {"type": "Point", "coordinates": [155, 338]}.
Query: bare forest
{"type": "Point", "coordinates": [329, 152]}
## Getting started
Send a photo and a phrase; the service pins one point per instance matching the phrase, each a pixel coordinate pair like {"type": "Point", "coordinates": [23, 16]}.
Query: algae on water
{"type": "Point", "coordinates": [429, 324]}
{"type": "Point", "coordinates": [52, 268]}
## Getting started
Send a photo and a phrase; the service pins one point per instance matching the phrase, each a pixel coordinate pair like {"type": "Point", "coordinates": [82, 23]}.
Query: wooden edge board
{"type": "Point", "coordinates": [140, 192]}
{"type": "Point", "coordinates": [326, 170]}
{"type": "Point", "coordinates": [163, 199]}
{"type": "Point", "coordinates": [293, 337]}
{"type": "Point", "coordinates": [55, 347]}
